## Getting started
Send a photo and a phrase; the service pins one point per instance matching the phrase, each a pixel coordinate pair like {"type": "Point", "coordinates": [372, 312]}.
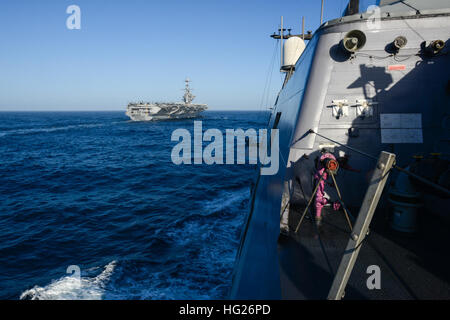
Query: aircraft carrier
{"type": "Point", "coordinates": [368, 102]}
{"type": "Point", "coordinates": [147, 111]}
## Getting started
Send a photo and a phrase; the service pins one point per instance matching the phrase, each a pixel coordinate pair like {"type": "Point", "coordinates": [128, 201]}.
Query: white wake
{"type": "Point", "coordinates": [73, 287]}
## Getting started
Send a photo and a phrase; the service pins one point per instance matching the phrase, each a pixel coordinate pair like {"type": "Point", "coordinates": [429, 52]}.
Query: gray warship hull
{"type": "Point", "coordinates": [409, 116]}
{"type": "Point", "coordinates": [149, 112]}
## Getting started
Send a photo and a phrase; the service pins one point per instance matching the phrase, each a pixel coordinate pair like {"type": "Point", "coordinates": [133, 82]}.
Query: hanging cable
{"type": "Point", "coordinates": [415, 176]}
{"type": "Point", "coordinates": [268, 77]}
{"type": "Point", "coordinates": [345, 146]}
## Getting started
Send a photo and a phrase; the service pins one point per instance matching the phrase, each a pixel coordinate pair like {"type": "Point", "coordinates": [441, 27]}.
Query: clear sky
{"type": "Point", "coordinates": [144, 49]}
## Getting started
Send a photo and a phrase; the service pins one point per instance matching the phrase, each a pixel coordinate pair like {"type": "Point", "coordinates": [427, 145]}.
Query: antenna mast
{"type": "Point", "coordinates": [281, 47]}
{"type": "Point", "coordinates": [321, 13]}
{"type": "Point", "coordinates": [303, 28]}
{"type": "Point", "coordinates": [352, 7]}
{"type": "Point", "coordinates": [188, 97]}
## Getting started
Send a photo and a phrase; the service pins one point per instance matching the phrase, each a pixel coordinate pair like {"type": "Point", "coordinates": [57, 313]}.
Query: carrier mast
{"type": "Point", "coordinates": [188, 97]}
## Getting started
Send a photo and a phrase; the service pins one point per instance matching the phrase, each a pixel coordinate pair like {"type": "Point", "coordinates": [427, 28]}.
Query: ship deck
{"type": "Point", "coordinates": [412, 266]}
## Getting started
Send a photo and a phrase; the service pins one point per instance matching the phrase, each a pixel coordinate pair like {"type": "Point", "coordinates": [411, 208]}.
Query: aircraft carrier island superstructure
{"type": "Point", "coordinates": [369, 95]}
{"type": "Point", "coordinates": [147, 111]}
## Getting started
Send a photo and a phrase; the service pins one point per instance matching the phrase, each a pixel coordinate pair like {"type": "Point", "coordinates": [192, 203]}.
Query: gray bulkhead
{"type": "Point", "coordinates": [325, 73]}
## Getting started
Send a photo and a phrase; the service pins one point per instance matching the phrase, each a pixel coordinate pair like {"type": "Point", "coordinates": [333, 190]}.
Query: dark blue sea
{"type": "Point", "coordinates": [95, 190]}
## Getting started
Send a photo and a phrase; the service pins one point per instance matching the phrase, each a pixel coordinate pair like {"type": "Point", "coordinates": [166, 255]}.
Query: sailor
{"type": "Point", "coordinates": [321, 175]}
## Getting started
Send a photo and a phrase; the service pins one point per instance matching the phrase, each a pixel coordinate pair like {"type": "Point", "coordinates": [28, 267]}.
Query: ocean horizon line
{"type": "Point", "coordinates": [115, 110]}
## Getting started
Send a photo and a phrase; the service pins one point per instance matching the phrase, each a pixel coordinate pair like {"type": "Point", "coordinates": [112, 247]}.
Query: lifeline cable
{"type": "Point", "coordinates": [421, 179]}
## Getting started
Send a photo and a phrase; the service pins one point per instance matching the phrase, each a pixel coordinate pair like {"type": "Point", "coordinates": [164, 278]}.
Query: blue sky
{"type": "Point", "coordinates": [144, 49]}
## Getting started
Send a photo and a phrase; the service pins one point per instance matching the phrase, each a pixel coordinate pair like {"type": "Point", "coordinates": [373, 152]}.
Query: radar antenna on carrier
{"type": "Point", "coordinates": [188, 97]}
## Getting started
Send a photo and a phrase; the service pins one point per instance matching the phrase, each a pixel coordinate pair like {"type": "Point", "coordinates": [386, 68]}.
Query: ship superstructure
{"type": "Point", "coordinates": [147, 111]}
{"type": "Point", "coordinates": [362, 86]}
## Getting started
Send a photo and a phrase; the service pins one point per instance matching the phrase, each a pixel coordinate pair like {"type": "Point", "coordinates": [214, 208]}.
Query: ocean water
{"type": "Point", "coordinates": [97, 191]}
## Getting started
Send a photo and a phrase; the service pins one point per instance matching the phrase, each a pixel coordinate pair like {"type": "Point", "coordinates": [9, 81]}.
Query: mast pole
{"type": "Point", "coordinates": [281, 46]}
{"type": "Point", "coordinates": [303, 28]}
{"type": "Point", "coordinates": [321, 13]}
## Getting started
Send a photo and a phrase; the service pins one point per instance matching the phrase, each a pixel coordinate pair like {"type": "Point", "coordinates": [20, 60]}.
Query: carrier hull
{"type": "Point", "coordinates": [151, 112]}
